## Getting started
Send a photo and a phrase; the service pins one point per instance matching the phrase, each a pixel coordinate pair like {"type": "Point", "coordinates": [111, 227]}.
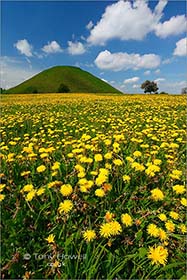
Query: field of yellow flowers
{"type": "Point", "coordinates": [92, 187]}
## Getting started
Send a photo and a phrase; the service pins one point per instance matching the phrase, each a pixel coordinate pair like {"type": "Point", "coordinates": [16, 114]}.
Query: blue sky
{"type": "Point", "coordinates": [121, 42]}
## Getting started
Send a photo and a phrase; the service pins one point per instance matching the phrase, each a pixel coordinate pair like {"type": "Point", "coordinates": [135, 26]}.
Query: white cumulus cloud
{"type": "Point", "coordinates": [181, 48]}
{"type": "Point", "coordinates": [76, 48]}
{"type": "Point", "coordinates": [159, 80]}
{"type": "Point", "coordinates": [131, 80]}
{"type": "Point", "coordinates": [52, 47]}
{"type": "Point", "coordinates": [24, 47]}
{"type": "Point", "coordinates": [123, 61]}
{"type": "Point", "coordinates": [136, 86]}
{"type": "Point", "coordinates": [89, 25]}
{"type": "Point", "coordinates": [126, 20]}
{"type": "Point", "coordinates": [148, 72]}
{"type": "Point", "coordinates": [157, 71]}
{"type": "Point", "coordinates": [174, 26]}
{"type": "Point", "coordinates": [14, 72]}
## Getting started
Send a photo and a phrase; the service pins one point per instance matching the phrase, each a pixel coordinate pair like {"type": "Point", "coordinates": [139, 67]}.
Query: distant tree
{"type": "Point", "coordinates": [31, 89]}
{"type": "Point", "coordinates": [184, 90]}
{"type": "Point", "coordinates": [2, 90]}
{"type": "Point", "coordinates": [149, 86]}
{"type": "Point", "coordinates": [63, 88]}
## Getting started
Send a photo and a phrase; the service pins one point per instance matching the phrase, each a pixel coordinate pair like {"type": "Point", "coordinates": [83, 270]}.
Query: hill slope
{"type": "Point", "coordinates": [74, 78]}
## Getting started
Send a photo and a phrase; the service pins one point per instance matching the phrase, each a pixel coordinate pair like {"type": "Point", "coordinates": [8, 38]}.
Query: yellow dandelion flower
{"type": "Point", "coordinates": [126, 178]}
{"type": "Point", "coordinates": [157, 161]}
{"type": "Point", "coordinates": [81, 174]}
{"type": "Point", "coordinates": [174, 215]}
{"type": "Point", "coordinates": [126, 220]}
{"type": "Point", "coordinates": [27, 188]}
{"type": "Point", "coordinates": [41, 168]}
{"type": "Point", "coordinates": [152, 169]}
{"type": "Point", "coordinates": [98, 157]}
{"type": "Point", "coordinates": [40, 191]}
{"type": "Point", "coordinates": [2, 186]}
{"type": "Point", "coordinates": [162, 235]}
{"type": "Point", "coordinates": [158, 255]}
{"type": "Point", "coordinates": [44, 155]}
{"type": "Point", "coordinates": [55, 166]}
{"type": "Point", "coordinates": [162, 217]}
{"type": "Point", "coordinates": [89, 235]}
{"type": "Point", "coordinates": [183, 201]}
{"type": "Point", "coordinates": [170, 226]}
{"type": "Point", "coordinates": [183, 228]}
{"type": "Point", "coordinates": [105, 230]}
{"type": "Point", "coordinates": [115, 228]}
{"type": "Point", "coordinates": [54, 173]}
{"type": "Point", "coordinates": [153, 230]}
{"type": "Point", "coordinates": [103, 172]}
{"type": "Point", "coordinates": [30, 195]}
{"type": "Point", "coordinates": [108, 156]}
{"type": "Point", "coordinates": [157, 194]}
{"type": "Point", "coordinates": [50, 238]}
{"type": "Point", "coordinates": [176, 174]}
{"type": "Point", "coordinates": [100, 192]}
{"type": "Point", "coordinates": [137, 154]}
{"type": "Point", "coordinates": [94, 173]}
{"type": "Point", "coordinates": [117, 162]}
{"type": "Point", "coordinates": [25, 173]}
{"type": "Point", "coordinates": [101, 179]}
{"type": "Point", "coordinates": [2, 196]}
{"type": "Point", "coordinates": [179, 189]}
{"type": "Point", "coordinates": [66, 189]}
{"type": "Point", "coordinates": [130, 159]}
{"type": "Point", "coordinates": [137, 166]}
{"type": "Point", "coordinates": [65, 206]}
{"type": "Point", "coordinates": [83, 189]}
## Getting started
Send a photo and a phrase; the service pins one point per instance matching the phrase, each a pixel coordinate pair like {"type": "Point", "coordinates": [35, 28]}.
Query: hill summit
{"type": "Point", "coordinates": [64, 79]}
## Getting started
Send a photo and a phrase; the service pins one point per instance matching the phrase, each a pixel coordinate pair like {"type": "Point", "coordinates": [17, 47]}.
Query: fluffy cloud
{"type": "Point", "coordinates": [76, 48]}
{"type": "Point", "coordinates": [174, 26]}
{"type": "Point", "coordinates": [136, 86]}
{"type": "Point", "coordinates": [52, 47]}
{"type": "Point", "coordinates": [159, 80]}
{"type": "Point", "coordinates": [123, 61]}
{"type": "Point", "coordinates": [89, 25]}
{"type": "Point", "coordinates": [126, 20]}
{"type": "Point", "coordinates": [173, 87]}
{"type": "Point", "coordinates": [24, 47]}
{"type": "Point", "coordinates": [131, 80]}
{"type": "Point", "coordinates": [148, 72]}
{"type": "Point", "coordinates": [14, 71]}
{"type": "Point", "coordinates": [181, 47]}
{"type": "Point", "coordinates": [157, 71]}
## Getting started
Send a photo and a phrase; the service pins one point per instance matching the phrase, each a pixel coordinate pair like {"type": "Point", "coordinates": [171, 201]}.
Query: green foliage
{"type": "Point", "coordinates": [31, 89]}
{"type": "Point", "coordinates": [63, 125]}
{"type": "Point", "coordinates": [184, 90]}
{"type": "Point", "coordinates": [74, 78]}
{"type": "Point", "coordinates": [149, 86]}
{"type": "Point", "coordinates": [2, 90]}
{"type": "Point", "coordinates": [63, 88]}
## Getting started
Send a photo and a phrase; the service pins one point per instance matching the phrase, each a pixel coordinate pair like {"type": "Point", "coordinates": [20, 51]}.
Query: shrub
{"type": "Point", "coordinates": [31, 89]}
{"type": "Point", "coordinates": [63, 88]}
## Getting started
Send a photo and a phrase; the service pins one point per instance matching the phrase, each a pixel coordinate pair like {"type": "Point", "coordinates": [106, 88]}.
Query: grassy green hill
{"type": "Point", "coordinates": [74, 78]}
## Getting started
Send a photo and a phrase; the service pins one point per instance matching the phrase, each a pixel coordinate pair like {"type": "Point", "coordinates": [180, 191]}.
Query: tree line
{"type": "Point", "coordinates": [147, 86]}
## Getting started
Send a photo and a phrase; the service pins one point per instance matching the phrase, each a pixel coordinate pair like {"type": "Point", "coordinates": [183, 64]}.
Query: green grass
{"type": "Point", "coordinates": [75, 78]}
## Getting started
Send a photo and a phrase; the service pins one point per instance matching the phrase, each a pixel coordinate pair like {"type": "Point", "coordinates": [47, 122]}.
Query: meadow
{"type": "Point", "coordinates": [93, 186]}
